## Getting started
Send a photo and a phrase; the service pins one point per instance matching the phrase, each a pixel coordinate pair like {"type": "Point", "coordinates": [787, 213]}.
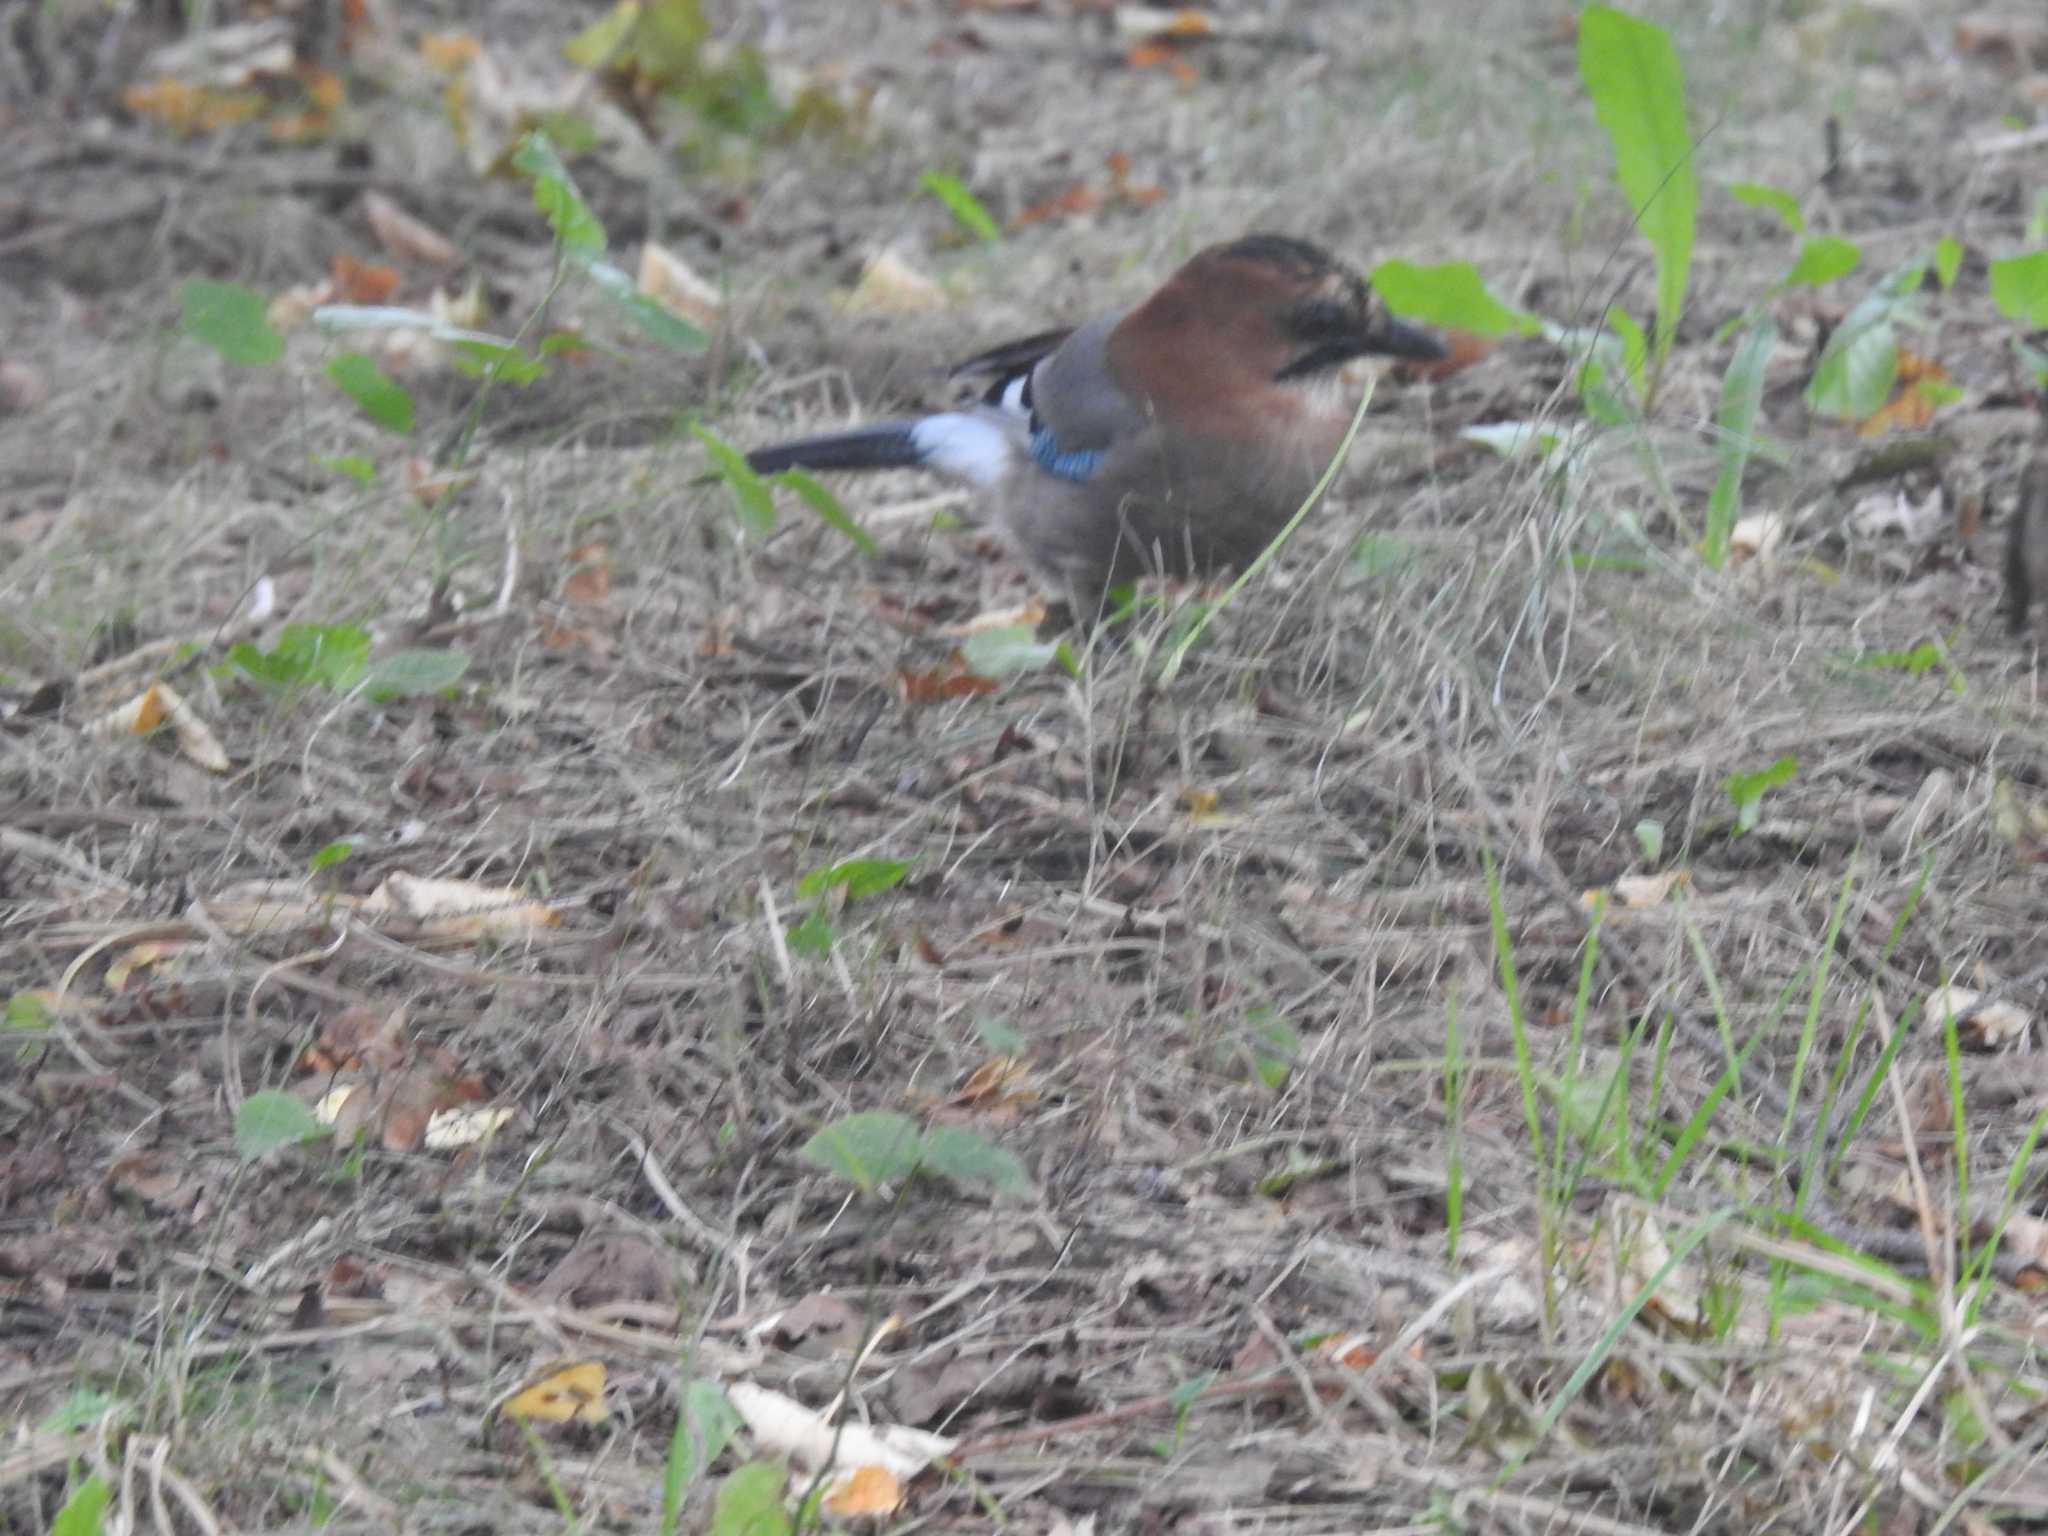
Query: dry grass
{"type": "Point", "coordinates": [1150, 886]}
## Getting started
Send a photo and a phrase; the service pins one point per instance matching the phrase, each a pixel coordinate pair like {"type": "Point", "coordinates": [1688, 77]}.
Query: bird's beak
{"type": "Point", "coordinates": [1391, 338]}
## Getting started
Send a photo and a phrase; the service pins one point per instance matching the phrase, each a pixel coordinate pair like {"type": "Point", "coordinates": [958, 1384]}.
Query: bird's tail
{"type": "Point", "coordinates": [885, 445]}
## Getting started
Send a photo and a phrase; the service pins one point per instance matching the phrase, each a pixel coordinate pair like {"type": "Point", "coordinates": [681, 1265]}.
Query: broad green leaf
{"type": "Point", "coordinates": [655, 318]}
{"type": "Point", "coordinates": [85, 1407]}
{"type": "Point", "coordinates": [84, 1513]}
{"type": "Point", "coordinates": [826, 505]}
{"type": "Point", "coordinates": [1822, 260]}
{"type": "Point", "coordinates": [230, 319]}
{"type": "Point", "coordinates": [1275, 1046]}
{"type": "Point", "coordinates": [1948, 261]}
{"type": "Point", "coordinates": [1755, 194]}
{"type": "Point", "coordinates": [1861, 363]}
{"type": "Point", "coordinates": [1452, 294]}
{"type": "Point", "coordinates": [704, 1429]}
{"type": "Point", "coordinates": [331, 855]}
{"type": "Point", "coordinates": [27, 1012]}
{"type": "Point", "coordinates": [870, 1149]}
{"type": "Point", "coordinates": [861, 878]}
{"type": "Point", "coordinates": [1924, 657]}
{"type": "Point", "coordinates": [1742, 393]}
{"type": "Point", "coordinates": [1378, 554]}
{"type": "Point", "coordinates": [1747, 789]}
{"type": "Point", "coordinates": [269, 1120]}
{"type": "Point", "coordinates": [1650, 838]}
{"type": "Point", "coordinates": [750, 494]}
{"type": "Point", "coordinates": [354, 466]}
{"type": "Point", "coordinates": [968, 1157]}
{"type": "Point", "coordinates": [383, 399]}
{"type": "Point", "coordinates": [1008, 649]}
{"type": "Point", "coordinates": [555, 195]}
{"type": "Point", "coordinates": [2019, 287]}
{"type": "Point", "coordinates": [489, 359]}
{"type": "Point", "coordinates": [2035, 361]}
{"type": "Point", "coordinates": [814, 936]}
{"type": "Point", "coordinates": [962, 204]}
{"type": "Point", "coordinates": [1001, 1036]}
{"type": "Point", "coordinates": [749, 1501]}
{"type": "Point", "coordinates": [1638, 89]}
{"type": "Point", "coordinates": [593, 47]}
{"type": "Point", "coordinates": [409, 674]}
{"type": "Point", "coordinates": [308, 655]}
{"type": "Point", "coordinates": [1512, 439]}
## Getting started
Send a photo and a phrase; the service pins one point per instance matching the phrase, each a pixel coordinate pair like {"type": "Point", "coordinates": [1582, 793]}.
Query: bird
{"type": "Point", "coordinates": [1174, 437]}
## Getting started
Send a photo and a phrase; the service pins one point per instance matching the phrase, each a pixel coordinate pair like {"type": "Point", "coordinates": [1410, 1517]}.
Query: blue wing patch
{"type": "Point", "coordinates": [1064, 464]}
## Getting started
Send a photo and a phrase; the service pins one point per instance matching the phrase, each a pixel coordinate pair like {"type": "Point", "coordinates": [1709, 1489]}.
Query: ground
{"type": "Point", "coordinates": [1376, 1176]}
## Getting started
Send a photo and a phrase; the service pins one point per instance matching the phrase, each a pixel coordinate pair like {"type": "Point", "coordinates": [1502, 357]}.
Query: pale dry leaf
{"type": "Point", "coordinates": [1756, 537]}
{"type": "Point", "coordinates": [892, 286]}
{"type": "Point", "coordinates": [157, 954]}
{"type": "Point", "coordinates": [405, 237]}
{"type": "Point", "coordinates": [786, 1427]}
{"type": "Point", "coordinates": [458, 909]}
{"type": "Point", "coordinates": [1648, 890]}
{"type": "Point", "coordinates": [448, 1129]}
{"type": "Point", "coordinates": [868, 1491]}
{"type": "Point", "coordinates": [1887, 512]}
{"type": "Point", "coordinates": [22, 387]}
{"type": "Point", "coordinates": [194, 736]}
{"type": "Point", "coordinates": [1988, 1024]}
{"type": "Point", "coordinates": [328, 1108]}
{"type": "Point", "coordinates": [671, 282]}
{"type": "Point", "coordinates": [469, 310]}
{"type": "Point", "coordinates": [252, 907]}
{"type": "Point", "coordinates": [572, 1393]}
{"type": "Point", "coordinates": [1642, 1255]}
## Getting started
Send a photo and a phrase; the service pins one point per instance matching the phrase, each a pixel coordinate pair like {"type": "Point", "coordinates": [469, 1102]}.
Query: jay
{"type": "Point", "coordinates": [1177, 436]}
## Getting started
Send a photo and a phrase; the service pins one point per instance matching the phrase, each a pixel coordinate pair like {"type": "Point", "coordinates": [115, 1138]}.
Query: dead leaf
{"type": "Point", "coordinates": [449, 53]}
{"type": "Point", "coordinates": [405, 237]}
{"type": "Point", "coordinates": [294, 307]}
{"type": "Point", "coordinates": [362, 282]}
{"type": "Point", "coordinates": [159, 705]}
{"type": "Point", "coordinates": [864, 1491]}
{"type": "Point", "coordinates": [160, 954]}
{"type": "Point", "coordinates": [1001, 1082]}
{"type": "Point", "coordinates": [570, 1394]}
{"type": "Point", "coordinates": [190, 111]}
{"type": "Point", "coordinates": [782, 1425]}
{"type": "Point", "coordinates": [1755, 537]}
{"type": "Point", "coordinates": [2009, 39]}
{"type": "Point", "coordinates": [1922, 383]}
{"type": "Point", "coordinates": [458, 909]}
{"type": "Point", "coordinates": [670, 281]}
{"type": "Point", "coordinates": [1641, 890]}
{"type": "Point", "coordinates": [954, 680]}
{"type": "Point", "coordinates": [22, 387]}
{"type": "Point", "coordinates": [589, 582]}
{"type": "Point", "coordinates": [892, 286]}
{"type": "Point", "coordinates": [1987, 1026]}
{"type": "Point", "coordinates": [449, 1129]}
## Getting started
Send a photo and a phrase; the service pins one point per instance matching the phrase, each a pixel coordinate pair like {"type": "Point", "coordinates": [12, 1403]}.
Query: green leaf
{"type": "Point", "coordinates": [230, 319]}
{"type": "Point", "coordinates": [2019, 287]}
{"type": "Point", "coordinates": [1377, 554]}
{"type": "Point", "coordinates": [655, 318]}
{"type": "Point", "coordinates": [1452, 294]}
{"type": "Point", "coordinates": [750, 1501]}
{"type": "Point", "coordinates": [861, 878]}
{"type": "Point", "coordinates": [968, 1157]}
{"type": "Point", "coordinates": [814, 936]}
{"type": "Point", "coordinates": [1638, 89]}
{"type": "Point", "coordinates": [703, 1430]}
{"type": "Point", "coordinates": [269, 1120]}
{"type": "Point", "coordinates": [1948, 261]}
{"type": "Point", "coordinates": [962, 204]}
{"type": "Point", "coordinates": [1861, 363]}
{"type": "Point", "coordinates": [826, 505]}
{"type": "Point", "coordinates": [593, 47]}
{"type": "Point", "coordinates": [1635, 350]}
{"type": "Point", "coordinates": [870, 1149]}
{"type": "Point", "coordinates": [1742, 394]}
{"type": "Point", "coordinates": [383, 399]}
{"type": "Point", "coordinates": [496, 360]}
{"type": "Point", "coordinates": [308, 655]}
{"type": "Point", "coordinates": [2034, 360]}
{"type": "Point", "coordinates": [1000, 1036]}
{"type": "Point", "coordinates": [555, 195]}
{"type": "Point", "coordinates": [1747, 789]}
{"type": "Point", "coordinates": [1512, 439]}
{"type": "Point", "coordinates": [1755, 194]}
{"type": "Point", "coordinates": [85, 1511]}
{"type": "Point", "coordinates": [750, 494]}
{"type": "Point", "coordinates": [27, 1012]}
{"type": "Point", "coordinates": [330, 856]}
{"type": "Point", "coordinates": [1821, 261]}
{"type": "Point", "coordinates": [409, 674]}
{"type": "Point", "coordinates": [354, 466]}
{"type": "Point", "coordinates": [1007, 649]}
{"type": "Point", "coordinates": [1650, 838]}
{"type": "Point", "coordinates": [1924, 657]}
{"type": "Point", "coordinates": [85, 1407]}
{"type": "Point", "coordinates": [1275, 1046]}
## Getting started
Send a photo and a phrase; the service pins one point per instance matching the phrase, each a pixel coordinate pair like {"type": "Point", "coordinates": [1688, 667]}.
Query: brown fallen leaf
{"type": "Point", "coordinates": [362, 282]}
{"type": "Point", "coordinates": [405, 237]}
{"type": "Point", "coordinates": [569, 1394]}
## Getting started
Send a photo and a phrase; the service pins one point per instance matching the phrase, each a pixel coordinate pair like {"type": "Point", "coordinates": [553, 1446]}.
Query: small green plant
{"type": "Point", "coordinates": [849, 881]}
{"type": "Point", "coordinates": [703, 1429]}
{"type": "Point", "coordinates": [269, 1120]}
{"type": "Point", "coordinates": [753, 495]}
{"type": "Point", "coordinates": [878, 1148]}
{"type": "Point", "coordinates": [965, 207]}
{"type": "Point", "coordinates": [1747, 790]}
{"type": "Point", "coordinates": [337, 657]}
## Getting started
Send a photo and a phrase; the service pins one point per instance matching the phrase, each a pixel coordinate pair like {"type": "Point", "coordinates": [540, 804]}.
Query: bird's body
{"type": "Point", "coordinates": [1177, 436]}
